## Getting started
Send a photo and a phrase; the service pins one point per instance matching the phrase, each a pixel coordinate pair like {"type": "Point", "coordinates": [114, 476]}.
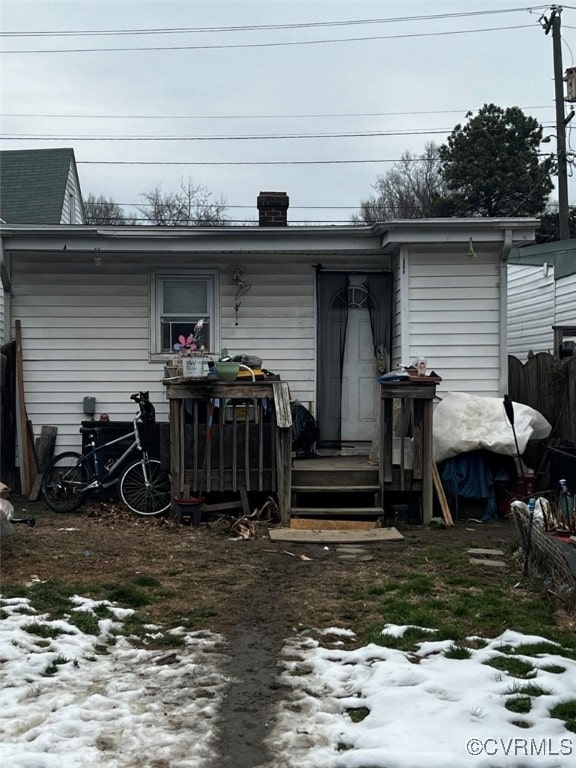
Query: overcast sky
{"type": "Point", "coordinates": [405, 80]}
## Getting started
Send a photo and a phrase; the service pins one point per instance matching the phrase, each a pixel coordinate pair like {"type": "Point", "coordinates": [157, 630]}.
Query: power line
{"type": "Point", "coordinates": [237, 162]}
{"type": "Point", "coordinates": [252, 117]}
{"type": "Point", "coordinates": [268, 45]}
{"type": "Point", "coordinates": [261, 27]}
{"type": "Point", "coordinates": [249, 137]}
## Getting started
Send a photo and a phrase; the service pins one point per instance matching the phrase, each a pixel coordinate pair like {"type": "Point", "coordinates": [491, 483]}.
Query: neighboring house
{"type": "Point", "coordinates": [542, 299]}
{"type": "Point", "coordinates": [38, 186]}
{"type": "Point", "coordinates": [325, 307]}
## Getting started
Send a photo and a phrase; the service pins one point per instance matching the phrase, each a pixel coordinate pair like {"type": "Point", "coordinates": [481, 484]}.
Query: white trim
{"type": "Point", "coordinates": [404, 269]}
{"type": "Point", "coordinates": [212, 276]}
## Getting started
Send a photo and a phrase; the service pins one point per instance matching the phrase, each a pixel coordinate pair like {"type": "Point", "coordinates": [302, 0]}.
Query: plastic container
{"type": "Point", "coordinates": [227, 371]}
{"type": "Point", "coordinates": [195, 367]}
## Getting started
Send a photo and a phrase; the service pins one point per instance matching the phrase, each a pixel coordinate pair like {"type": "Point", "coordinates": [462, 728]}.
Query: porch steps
{"type": "Point", "coordinates": [333, 489]}
{"type": "Point", "coordinates": [337, 511]}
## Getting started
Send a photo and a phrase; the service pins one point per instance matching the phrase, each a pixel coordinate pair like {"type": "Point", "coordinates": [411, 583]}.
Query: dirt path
{"type": "Point", "coordinates": [246, 714]}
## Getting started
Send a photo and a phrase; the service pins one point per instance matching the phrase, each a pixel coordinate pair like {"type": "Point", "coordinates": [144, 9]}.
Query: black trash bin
{"type": "Point", "coordinates": [562, 457]}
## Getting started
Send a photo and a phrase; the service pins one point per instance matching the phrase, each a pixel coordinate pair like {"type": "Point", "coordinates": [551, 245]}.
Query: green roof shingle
{"type": "Point", "coordinates": [33, 185]}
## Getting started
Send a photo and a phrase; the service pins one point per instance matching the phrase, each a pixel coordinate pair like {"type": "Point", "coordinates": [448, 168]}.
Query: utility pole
{"type": "Point", "coordinates": [554, 24]}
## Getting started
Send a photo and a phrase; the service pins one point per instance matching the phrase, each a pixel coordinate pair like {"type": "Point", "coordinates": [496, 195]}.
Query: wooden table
{"type": "Point", "coordinates": [419, 397]}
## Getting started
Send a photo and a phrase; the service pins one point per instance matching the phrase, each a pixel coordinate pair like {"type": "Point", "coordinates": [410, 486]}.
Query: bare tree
{"type": "Point", "coordinates": [192, 205]}
{"type": "Point", "coordinates": [102, 211]}
{"type": "Point", "coordinates": [409, 190]}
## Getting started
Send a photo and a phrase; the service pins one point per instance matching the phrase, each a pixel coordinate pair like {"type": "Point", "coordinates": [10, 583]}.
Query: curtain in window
{"type": "Point", "coordinates": [332, 303]}
{"type": "Point", "coordinates": [379, 286]}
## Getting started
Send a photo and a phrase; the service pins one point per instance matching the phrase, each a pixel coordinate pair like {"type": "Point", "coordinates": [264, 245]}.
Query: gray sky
{"type": "Point", "coordinates": [414, 78]}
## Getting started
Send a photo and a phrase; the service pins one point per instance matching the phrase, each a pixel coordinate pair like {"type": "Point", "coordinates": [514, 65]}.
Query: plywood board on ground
{"type": "Point", "coordinates": [347, 525]}
{"type": "Point", "coordinates": [318, 536]}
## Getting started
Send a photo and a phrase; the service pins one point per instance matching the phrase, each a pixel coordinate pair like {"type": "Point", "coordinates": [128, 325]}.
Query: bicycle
{"type": "Point", "coordinates": [144, 486]}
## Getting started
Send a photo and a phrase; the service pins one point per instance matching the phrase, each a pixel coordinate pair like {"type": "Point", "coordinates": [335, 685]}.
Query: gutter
{"type": "Point", "coordinates": [507, 241]}
{"type": "Point", "coordinates": [7, 288]}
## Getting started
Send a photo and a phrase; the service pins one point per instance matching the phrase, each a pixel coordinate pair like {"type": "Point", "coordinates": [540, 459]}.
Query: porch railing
{"type": "Point", "coordinates": [231, 437]}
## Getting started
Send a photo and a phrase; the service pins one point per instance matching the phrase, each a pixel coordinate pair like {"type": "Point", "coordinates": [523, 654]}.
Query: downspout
{"type": "Point", "coordinates": [503, 308]}
{"type": "Point", "coordinates": [7, 289]}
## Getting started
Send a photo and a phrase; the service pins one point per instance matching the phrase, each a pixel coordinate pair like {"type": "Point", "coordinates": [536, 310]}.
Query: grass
{"type": "Point", "coordinates": [52, 668]}
{"type": "Point", "coordinates": [566, 711]}
{"type": "Point", "coordinates": [528, 689]}
{"type": "Point", "coordinates": [458, 651]}
{"type": "Point", "coordinates": [44, 630]}
{"type": "Point", "coordinates": [358, 714]}
{"type": "Point", "coordinates": [520, 705]}
{"type": "Point", "coordinates": [514, 667]}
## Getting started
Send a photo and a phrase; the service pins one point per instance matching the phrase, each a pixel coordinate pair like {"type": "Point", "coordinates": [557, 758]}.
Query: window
{"type": "Point", "coordinates": [179, 300]}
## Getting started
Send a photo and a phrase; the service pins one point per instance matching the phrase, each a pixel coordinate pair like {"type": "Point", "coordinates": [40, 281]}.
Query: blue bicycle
{"type": "Point", "coordinates": [144, 486]}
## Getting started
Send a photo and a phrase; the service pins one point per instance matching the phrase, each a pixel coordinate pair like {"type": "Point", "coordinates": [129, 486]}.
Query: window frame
{"type": "Point", "coordinates": [157, 276]}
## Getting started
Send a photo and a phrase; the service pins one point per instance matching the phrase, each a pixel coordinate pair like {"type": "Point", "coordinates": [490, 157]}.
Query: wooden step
{"type": "Point", "coordinates": [314, 523]}
{"type": "Point", "coordinates": [336, 511]}
{"type": "Point", "coordinates": [335, 488]}
{"type": "Point", "coordinates": [334, 477]}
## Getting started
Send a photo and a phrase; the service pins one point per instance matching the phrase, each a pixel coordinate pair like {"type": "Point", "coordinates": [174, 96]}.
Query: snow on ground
{"type": "Point", "coordinates": [127, 707]}
{"type": "Point", "coordinates": [136, 708]}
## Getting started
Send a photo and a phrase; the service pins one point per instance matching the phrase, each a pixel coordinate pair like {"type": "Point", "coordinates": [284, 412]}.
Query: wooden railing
{"type": "Point", "coordinates": [230, 438]}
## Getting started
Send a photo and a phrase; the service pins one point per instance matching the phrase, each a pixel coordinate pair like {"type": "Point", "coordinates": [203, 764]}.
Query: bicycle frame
{"type": "Point", "coordinates": [101, 481]}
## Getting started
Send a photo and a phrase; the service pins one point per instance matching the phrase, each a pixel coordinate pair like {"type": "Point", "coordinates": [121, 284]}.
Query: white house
{"type": "Point", "coordinates": [542, 299]}
{"type": "Point", "coordinates": [326, 308]}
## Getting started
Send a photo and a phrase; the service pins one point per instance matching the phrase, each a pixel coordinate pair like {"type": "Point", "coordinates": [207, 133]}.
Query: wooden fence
{"type": "Point", "coordinates": [548, 384]}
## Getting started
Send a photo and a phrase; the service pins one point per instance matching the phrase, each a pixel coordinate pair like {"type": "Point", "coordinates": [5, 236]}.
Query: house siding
{"type": "Point", "coordinates": [72, 193]}
{"type": "Point", "coordinates": [454, 318]}
{"type": "Point", "coordinates": [107, 307]}
{"type": "Point", "coordinates": [531, 293]}
{"type": "Point", "coordinates": [566, 301]}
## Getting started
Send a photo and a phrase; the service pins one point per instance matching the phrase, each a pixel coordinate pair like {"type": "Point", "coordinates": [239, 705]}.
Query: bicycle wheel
{"type": "Point", "coordinates": [145, 488]}
{"type": "Point", "coordinates": [62, 482]}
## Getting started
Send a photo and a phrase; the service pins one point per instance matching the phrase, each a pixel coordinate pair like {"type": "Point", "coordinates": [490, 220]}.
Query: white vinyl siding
{"type": "Point", "coordinates": [566, 301]}
{"type": "Point", "coordinates": [530, 310]}
{"type": "Point", "coordinates": [86, 331]}
{"type": "Point", "coordinates": [72, 203]}
{"type": "Point", "coordinates": [454, 311]}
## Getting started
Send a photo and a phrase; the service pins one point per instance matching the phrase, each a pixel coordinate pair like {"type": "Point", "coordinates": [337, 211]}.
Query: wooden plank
{"type": "Point", "coordinates": [487, 561]}
{"type": "Point", "coordinates": [340, 525]}
{"type": "Point", "coordinates": [282, 404]}
{"type": "Point", "coordinates": [441, 495]}
{"type": "Point", "coordinates": [381, 535]}
{"type": "Point", "coordinates": [327, 511]}
{"type": "Point", "coordinates": [34, 494]}
{"type": "Point", "coordinates": [26, 449]}
{"type": "Point", "coordinates": [45, 444]}
{"type": "Point", "coordinates": [486, 552]}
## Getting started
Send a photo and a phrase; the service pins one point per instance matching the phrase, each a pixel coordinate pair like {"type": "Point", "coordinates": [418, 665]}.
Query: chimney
{"type": "Point", "coordinates": [272, 209]}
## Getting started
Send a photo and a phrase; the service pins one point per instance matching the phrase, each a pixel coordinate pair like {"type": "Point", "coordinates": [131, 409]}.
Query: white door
{"type": "Point", "coordinates": [360, 370]}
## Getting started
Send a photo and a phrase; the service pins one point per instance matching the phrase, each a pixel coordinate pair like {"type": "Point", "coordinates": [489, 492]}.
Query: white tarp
{"type": "Point", "coordinates": [464, 422]}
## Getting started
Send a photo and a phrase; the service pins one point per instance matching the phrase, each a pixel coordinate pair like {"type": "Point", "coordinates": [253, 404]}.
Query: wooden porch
{"type": "Point", "coordinates": [237, 438]}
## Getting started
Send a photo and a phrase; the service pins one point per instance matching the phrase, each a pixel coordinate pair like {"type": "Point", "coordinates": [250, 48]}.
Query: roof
{"type": "Point", "coordinates": [560, 253]}
{"type": "Point", "coordinates": [33, 184]}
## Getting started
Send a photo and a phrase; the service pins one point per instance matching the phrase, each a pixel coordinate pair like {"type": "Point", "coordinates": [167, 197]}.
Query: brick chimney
{"type": "Point", "coordinates": [273, 209]}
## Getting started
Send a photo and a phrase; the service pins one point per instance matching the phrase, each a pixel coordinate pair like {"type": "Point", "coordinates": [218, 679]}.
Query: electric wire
{"type": "Point", "coordinates": [263, 27]}
{"type": "Point", "coordinates": [282, 44]}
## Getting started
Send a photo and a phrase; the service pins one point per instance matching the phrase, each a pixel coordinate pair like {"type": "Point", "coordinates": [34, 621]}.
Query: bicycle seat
{"type": "Point", "coordinates": [88, 430]}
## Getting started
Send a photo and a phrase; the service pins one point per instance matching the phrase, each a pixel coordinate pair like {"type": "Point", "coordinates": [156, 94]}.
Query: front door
{"type": "Point", "coordinates": [354, 338]}
{"type": "Point", "coordinates": [359, 370]}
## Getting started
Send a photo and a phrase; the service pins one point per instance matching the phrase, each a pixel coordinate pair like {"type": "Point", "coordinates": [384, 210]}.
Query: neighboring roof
{"type": "Point", "coordinates": [33, 184]}
{"type": "Point", "coordinates": [561, 253]}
